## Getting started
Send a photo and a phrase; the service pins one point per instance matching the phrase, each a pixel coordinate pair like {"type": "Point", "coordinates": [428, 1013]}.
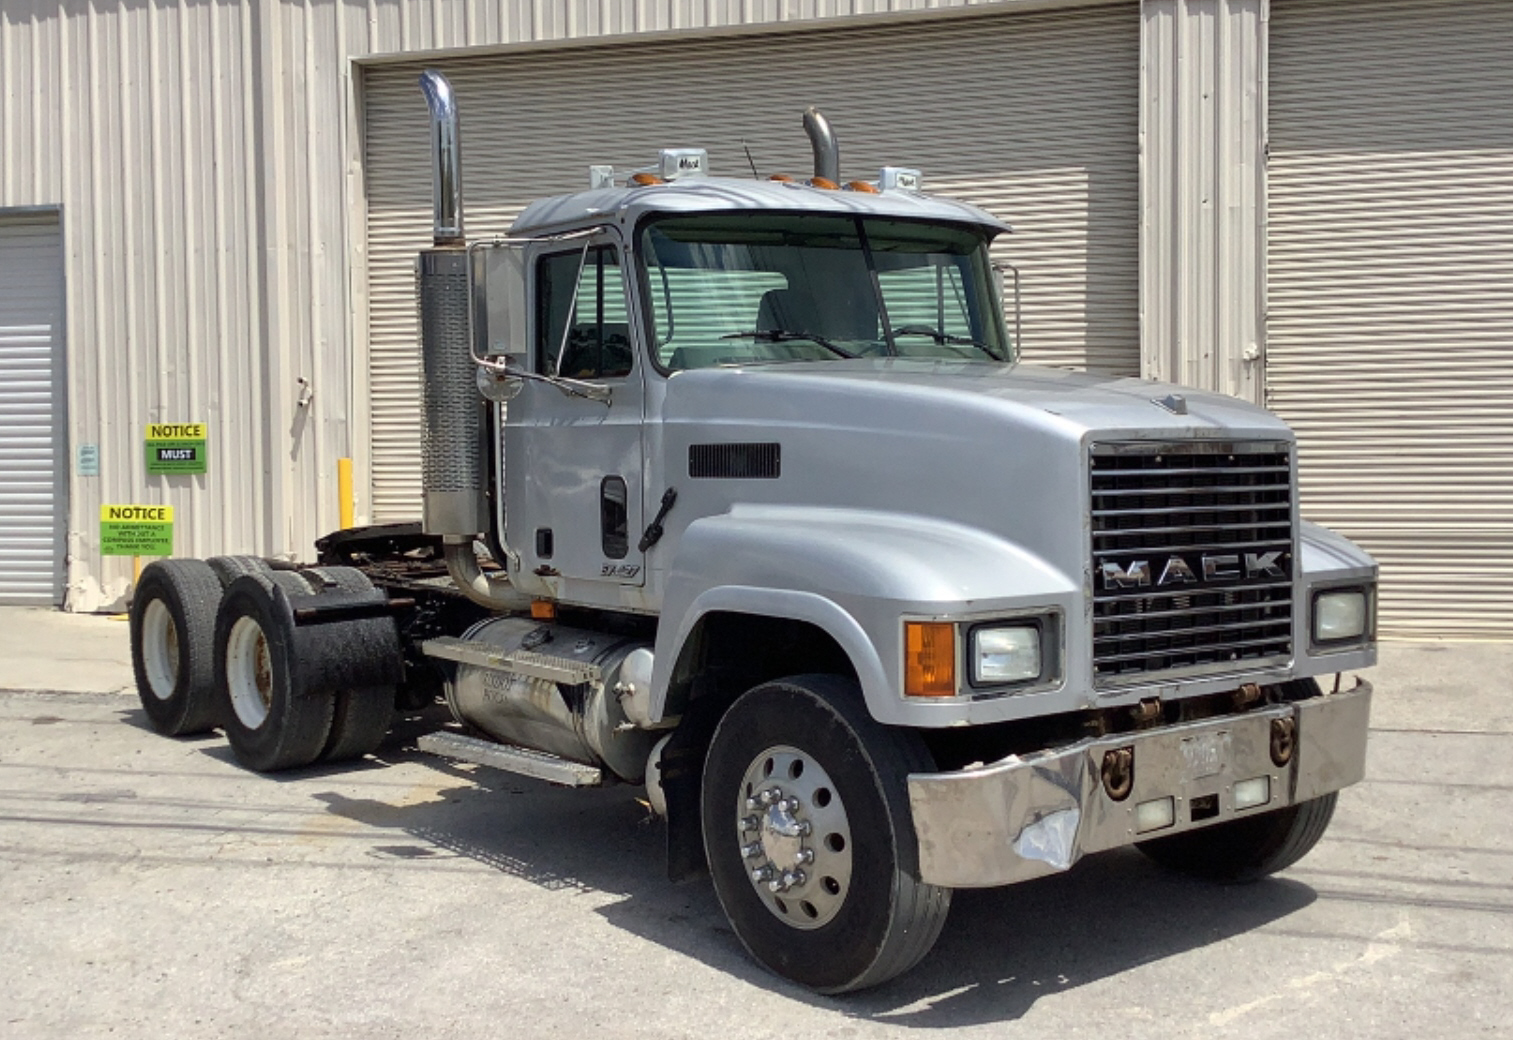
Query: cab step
{"type": "Point", "coordinates": [519, 662]}
{"type": "Point", "coordinates": [511, 759]}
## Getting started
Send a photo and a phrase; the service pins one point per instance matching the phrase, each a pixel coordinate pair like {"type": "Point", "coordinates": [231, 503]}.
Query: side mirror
{"type": "Point", "coordinates": [499, 315]}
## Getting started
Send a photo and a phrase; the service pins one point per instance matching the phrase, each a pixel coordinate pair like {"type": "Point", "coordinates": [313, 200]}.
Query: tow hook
{"type": "Point", "coordinates": [1119, 773]}
{"type": "Point", "coordinates": [1283, 740]}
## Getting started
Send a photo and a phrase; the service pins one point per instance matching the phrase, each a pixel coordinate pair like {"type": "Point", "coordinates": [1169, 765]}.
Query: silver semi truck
{"type": "Point", "coordinates": [736, 488]}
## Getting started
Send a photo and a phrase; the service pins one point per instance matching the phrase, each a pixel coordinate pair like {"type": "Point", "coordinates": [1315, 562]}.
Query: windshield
{"type": "Point", "coordinates": [748, 288]}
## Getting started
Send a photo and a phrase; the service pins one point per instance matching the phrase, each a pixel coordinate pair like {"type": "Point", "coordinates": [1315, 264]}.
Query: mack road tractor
{"type": "Point", "coordinates": [736, 488]}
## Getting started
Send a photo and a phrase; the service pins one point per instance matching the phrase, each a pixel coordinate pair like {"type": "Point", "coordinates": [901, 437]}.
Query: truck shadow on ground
{"type": "Point", "coordinates": [1001, 951]}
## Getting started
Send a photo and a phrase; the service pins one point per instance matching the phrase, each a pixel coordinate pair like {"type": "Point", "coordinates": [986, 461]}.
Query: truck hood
{"type": "Point", "coordinates": [1137, 408]}
{"type": "Point", "coordinates": [999, 448]}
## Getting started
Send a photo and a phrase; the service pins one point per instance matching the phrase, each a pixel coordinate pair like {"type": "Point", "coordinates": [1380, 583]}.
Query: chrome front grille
{"type": "Point", "coordinates": [1192, 558]}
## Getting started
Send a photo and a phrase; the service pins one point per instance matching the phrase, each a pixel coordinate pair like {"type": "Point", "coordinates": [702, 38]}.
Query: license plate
{"type": "Point", "coordinates": [1205, 755]}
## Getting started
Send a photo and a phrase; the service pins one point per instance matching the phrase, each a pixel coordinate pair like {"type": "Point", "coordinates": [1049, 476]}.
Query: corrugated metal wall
{"type": "Point", "coordinates": [1390, 342]}
{"type": "Point", "coordinates": [1058, 89]}
{"type": "Point", "coordinates": [1203, 193]}
{"type": "Point", "coordinates": [203, 154]}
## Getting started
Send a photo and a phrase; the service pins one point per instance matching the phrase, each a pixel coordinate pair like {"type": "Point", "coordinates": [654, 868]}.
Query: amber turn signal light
{"type": "Point", "coordinates": [929, 659]}
{"type": "Point", "coordinates": [543, 610]}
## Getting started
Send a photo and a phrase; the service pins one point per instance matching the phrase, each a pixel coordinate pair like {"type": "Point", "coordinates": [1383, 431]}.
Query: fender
{"type": "Point", "coordinates": [855, 574]}
{"type": "Point", "coordinates": [1327, 558]}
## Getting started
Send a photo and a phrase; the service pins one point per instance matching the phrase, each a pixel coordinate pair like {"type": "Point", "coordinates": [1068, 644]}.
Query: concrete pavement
{"type": "Point", "coordinates": [150, 888]}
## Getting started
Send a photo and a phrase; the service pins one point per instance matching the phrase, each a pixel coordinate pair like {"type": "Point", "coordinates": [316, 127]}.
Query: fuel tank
{"type": "Point", "coordinates": [582, 722]}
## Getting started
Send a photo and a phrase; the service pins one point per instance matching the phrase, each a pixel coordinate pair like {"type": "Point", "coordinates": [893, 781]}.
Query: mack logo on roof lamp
{"type": "Point", "coordinates": [1180, 570]}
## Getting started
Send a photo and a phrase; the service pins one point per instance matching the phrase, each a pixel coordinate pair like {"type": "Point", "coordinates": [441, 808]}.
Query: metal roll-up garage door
{"type": "Point", "coordinates": [31, 410]}
{"type": "Point", "coordinates": [1390, 318]}
{"type": "Point", "coordinates": [1032, 117]}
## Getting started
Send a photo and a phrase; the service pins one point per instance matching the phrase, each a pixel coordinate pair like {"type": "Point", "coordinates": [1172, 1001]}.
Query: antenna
{"type": "Point", "coordinates": [752, 162]}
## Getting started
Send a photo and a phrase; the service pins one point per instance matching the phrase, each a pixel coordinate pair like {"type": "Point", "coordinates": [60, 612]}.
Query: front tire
{"type": "Point", "coordinates": [1246, 849]}
{"type": "Point", "coordinates": [803, 787]}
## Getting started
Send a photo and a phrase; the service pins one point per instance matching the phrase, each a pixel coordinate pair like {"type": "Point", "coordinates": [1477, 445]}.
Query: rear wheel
{"type": "Point", "coordinates": [809, 836]}
{"type": "Point", "coordinates": [1249, 848]}
{"type": "Point", "coordinates": [173, 645]}
{"type": "Point", "coordinates": [271, 721]}
{"type": "Point", "coordinates": [361, 715]}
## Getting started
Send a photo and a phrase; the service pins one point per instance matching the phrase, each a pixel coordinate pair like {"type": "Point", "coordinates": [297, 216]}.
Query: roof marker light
{"type": "Point", "coordinates": [901, 178]}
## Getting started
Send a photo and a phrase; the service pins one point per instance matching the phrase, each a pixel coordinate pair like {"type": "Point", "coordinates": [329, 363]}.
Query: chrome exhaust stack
{"type": "Point", "coordinates": [446, 157]}
{"type": "Point", "coordinates": [451, 455]}
{"type": "Point", "coordinates": [827, 150]}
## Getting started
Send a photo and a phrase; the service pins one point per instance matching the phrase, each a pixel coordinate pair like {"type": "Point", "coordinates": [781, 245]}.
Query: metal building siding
{"type": "Point", "coordinates": [205, 155]}
{"type": "Point", "coordinates": [1031, 116]}
{"type": "Point", "coordinates": [32, 432]}
{"type": "Point", "coordinates": [1203, 192]}
{"type": "Point", "coordinates": [1391, 292]}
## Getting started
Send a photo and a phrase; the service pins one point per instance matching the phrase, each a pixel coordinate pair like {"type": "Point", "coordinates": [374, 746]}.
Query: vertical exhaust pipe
{"type": "Point", "coordinates": [452, 427]}
{"type": "Point", "coordinates": [446, 157]}
{"type": "Point", "coordinates": [451, 460]}
{"type": "Point", "coordinates": [827, 151]}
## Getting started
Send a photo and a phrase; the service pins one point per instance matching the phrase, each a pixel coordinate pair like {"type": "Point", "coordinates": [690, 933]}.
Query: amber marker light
{"type": "Point", "coordinates": [929, 659]}
{"type": "Point", "coordinates": [866, 187]}
{"type": "Point", "coordinates": [781, 177]}
{"type": "Point", "coordinates": [543, 610]}
{"type": "Point", "coordinates": [643, 179]}
{"type": "Point", "coordinates": [823, 182]}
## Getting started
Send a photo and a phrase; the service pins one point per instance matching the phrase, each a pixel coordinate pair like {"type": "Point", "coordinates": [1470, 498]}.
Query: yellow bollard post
{"type": "Point", "coordinates": [344, 490]}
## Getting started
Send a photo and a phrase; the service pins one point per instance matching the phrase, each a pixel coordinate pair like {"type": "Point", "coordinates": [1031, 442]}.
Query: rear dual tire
{"type": "Point", "coordinates": [271, 722]}
{"type": "Point", "coordinates": [173, 645]}
{"type": "Point", "coordinates": [284, 702]}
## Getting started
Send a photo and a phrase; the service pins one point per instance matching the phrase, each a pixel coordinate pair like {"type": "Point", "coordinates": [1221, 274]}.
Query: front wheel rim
{"type": "Point", "coordinates": [249, 672]}
{"type": "Point", "coordinates": [794, 837]}
{"type": "Point", "coordinates": [160, 650]}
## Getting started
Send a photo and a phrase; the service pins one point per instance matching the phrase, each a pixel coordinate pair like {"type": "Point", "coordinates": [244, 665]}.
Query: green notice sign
{"type": "Point", "coordinates": [175, 448]}
{"type": "Point", "coordinates": [136, 530]}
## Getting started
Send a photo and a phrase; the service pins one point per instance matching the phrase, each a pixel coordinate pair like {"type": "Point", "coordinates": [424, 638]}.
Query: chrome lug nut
{"type": "Point", "coordinates": [777, 885]}
{"type": "Point", "coordinates": [792, 878]}
{"type": "Point", "coordinates": [752, 803]}
{"type": "Point", "coordinates": [806, 828]}
{"type": "Point", "coordinates": [805, 856]}
{"type": "Point", "coordinates": [761, 873]}
{"type": "Point", "coordinates": [749, 823]}
{"type": "Point", "coordinates": [751, 851]}
{"type": "Point", "coordinates": [769, 796]}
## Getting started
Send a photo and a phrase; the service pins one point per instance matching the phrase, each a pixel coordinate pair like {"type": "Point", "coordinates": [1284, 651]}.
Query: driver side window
{"type": "Point", "coordinates": [582, 328]}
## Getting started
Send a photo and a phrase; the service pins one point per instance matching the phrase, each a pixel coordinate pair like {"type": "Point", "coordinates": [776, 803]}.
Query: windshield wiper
{"type": "Point", "coordinates": [785, 336]}
{"type": "Point", "coordinates": [947, 338]}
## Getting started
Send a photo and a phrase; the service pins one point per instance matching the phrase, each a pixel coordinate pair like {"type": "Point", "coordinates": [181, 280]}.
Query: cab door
{"type": "Point", "coordinates": [573, 464]}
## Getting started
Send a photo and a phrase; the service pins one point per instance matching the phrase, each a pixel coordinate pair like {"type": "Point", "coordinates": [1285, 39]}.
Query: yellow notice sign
{"type": "Point", "coordinates": [132, 530]}
{"type": "Point", "coordinates": [176, 431]}
{"type": "Point", "coordinates": [176, 448]}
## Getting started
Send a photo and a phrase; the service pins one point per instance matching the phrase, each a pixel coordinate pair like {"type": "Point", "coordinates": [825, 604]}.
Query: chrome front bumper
{"type": "Point", "coordinates": [1031, 815]}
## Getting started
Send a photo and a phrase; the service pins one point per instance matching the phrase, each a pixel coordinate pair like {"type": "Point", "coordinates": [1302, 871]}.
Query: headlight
{"type": "Point", "coordinates": [1340, 614]}
{"type": "Point", "coordinates": [1006, 654]}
